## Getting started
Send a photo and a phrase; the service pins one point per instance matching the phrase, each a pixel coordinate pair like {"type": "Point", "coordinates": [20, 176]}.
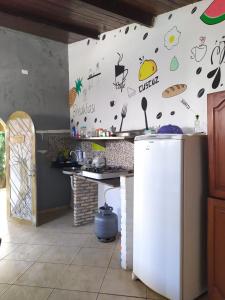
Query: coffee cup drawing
{"type": "Point", "coordinates": [120, 76]}
{"type": "Point", "coordinates": [199, 52]}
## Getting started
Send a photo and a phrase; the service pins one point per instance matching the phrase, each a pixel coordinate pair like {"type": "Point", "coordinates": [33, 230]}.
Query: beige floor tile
{"type": "Point", "coordinates": [27, 252]}
{"type": "Point", "coordinates": [26, 293]}
{"type": "Point", "coordinates": [93, 257]}
{"type": "Point", "coordinates": [72, 295]}
{"type": "Point", "coordinates": [68, 228]}
{"type": "Point", "coordinates": [119, 282]}
{"type": "Point", "coordinates": [3, 287]}
{"type": "Point", "coordinates": [42, 275]}
{"type": "Point", "coordinates": [10, 270]}
{"type": "Point", "coordinates": [154, 296]}
{"type": "Point", "coordinates": [93, 242]}
{"type": "Point", "coordinates": [7, 248]}
{"type": "Point", "coordinates": [70, 239]}
{"type": "Point", "coordinates": [43, 238]}
{"type": "Point", "coordinates": [115, 262]}
{"type": "Point", "coordinates": [17, 237]}
{"type": "Point", "coordinates": [82, 278]}
{"type": "Point", "coordinates": [113, 297]}
{"type": "Point", "coordinates": [59, 254]}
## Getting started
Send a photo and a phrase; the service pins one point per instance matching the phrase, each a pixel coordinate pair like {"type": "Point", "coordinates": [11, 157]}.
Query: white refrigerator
{"type": "Point", "coordinates": [170, 201]}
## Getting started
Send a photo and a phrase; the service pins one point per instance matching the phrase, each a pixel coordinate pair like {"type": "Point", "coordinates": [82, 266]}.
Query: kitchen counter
{"type": "Point", "coordinates": [113, 182]}
{"type": "Point", "coordinates": [85, 194]}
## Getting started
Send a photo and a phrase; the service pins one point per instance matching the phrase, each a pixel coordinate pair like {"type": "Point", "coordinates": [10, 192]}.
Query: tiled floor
{"type": "Point", "coordinates": [57, 261]}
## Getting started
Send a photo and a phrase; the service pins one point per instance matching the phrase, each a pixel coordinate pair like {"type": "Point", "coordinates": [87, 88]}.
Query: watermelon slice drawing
{"type": "Point", "coordinates": [215, 13]}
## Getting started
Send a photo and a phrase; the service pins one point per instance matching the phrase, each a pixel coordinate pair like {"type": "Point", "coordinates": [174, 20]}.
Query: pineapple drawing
{"type": "Point", "coordinates": [75, 91]}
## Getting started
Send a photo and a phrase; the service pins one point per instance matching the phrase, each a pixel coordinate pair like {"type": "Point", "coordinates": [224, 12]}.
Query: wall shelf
{"type": "Point", "coordinates": [102, 140]}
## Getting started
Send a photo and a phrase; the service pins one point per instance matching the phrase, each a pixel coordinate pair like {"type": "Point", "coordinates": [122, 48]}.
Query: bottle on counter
{"type": "Point", "coordinates": [197, 128]}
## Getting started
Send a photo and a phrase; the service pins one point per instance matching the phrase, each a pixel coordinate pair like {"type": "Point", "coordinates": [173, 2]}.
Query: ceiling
{"type": "Point", "coordinates": [69, 21]}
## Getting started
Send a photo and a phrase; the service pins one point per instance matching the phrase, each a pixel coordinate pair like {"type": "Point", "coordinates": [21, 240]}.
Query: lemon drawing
{"type": "Point", "coordinates": [147, 69]}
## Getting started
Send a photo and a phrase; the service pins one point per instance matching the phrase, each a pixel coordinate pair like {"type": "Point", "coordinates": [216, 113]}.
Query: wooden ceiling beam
{"type": "Point", "coordinates": [123, 9]}
{"type": "Point", "coordinates": [75, 27]}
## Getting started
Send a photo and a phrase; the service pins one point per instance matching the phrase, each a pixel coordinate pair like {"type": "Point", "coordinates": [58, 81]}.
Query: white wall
{"type": "Point", "coordinates": [92, 105]}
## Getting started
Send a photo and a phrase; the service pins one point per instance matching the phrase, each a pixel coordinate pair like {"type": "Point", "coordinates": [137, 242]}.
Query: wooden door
{"type": "Point", "coordinates": [216, 249]}
{"type": "Point", "coordinates": [216, 137]}
{"type": "Point", "coordinates": [21, 174]}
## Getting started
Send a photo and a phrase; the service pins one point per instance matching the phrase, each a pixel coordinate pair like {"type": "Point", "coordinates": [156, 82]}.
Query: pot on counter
{"type": "Point", "coordinates": [98, 162]}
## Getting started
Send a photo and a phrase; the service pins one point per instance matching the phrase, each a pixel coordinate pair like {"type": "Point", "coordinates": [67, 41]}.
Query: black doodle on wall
{"type": "Point", "coordinates": [91, 76]}
{"type": "Point", "coordinates": [217, 56]}
{"type": "Point", "coordinates": [85, 119]}
{"type": "Point", "coordinates": [126, 30]}
{"type": "Point", "coordinates": [172, 113]}
{"type": "Point", "coordinates": [193, 10]}
{"type": "Point", "coordinates": [145, 36]}
{"type": "Point", "coordinates": [199, 70]}
{"type": "Point", "coordinates": [159, 116]}
{"type": "Point", "coordinates": [120, 74]}
{"type": "Point", "coordinates": [123, 115]}
{"type": "Point", "coordinates": [115, 117]}
{"type": "Point", "coordinates": [95, 120]}
{"type": "Point", "coordinates": [144, 105]}
{"type": "Point", "coordinates": [201, 93]}
{"type": "Point", "coordinates": [112, 103]}
{"type": "Point", "coordinates": [198, 52]}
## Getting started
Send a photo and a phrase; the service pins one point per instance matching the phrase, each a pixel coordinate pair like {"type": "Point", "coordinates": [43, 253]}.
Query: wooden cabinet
{"type": "Point", "coordinates": [216, 136]}
{"type": "Point", "coordinates": [216, 202]}
{"type": "Point", "coordinates": [216, 249]}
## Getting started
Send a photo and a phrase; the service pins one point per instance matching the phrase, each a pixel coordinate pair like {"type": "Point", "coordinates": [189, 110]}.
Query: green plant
{"type": "Point", "coordinates": [2, 154]}
{"type": "Point", "coordinates": [63, 154]}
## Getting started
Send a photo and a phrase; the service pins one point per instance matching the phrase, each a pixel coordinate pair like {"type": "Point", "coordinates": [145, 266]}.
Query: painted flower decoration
{"type": "Point", "coordinates": [171, 38]}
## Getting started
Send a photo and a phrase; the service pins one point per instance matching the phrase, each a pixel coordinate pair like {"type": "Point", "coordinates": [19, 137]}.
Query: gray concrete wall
{"type": "Point", "coordinates": [43, 94]}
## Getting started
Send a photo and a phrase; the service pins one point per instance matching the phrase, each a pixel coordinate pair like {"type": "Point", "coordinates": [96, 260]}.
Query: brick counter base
{"type": "Point", "coordinates": [85, 196]}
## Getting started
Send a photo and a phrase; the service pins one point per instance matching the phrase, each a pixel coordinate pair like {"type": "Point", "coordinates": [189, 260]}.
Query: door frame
{"type": "Point", "coordinates": [13, 116]}
{"type": "Point", "coordinates": [3, 125]}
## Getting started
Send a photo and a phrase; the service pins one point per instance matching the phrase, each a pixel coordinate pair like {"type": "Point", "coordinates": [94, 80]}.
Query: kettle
{"type": "Point", "coordinates": [78, 155]}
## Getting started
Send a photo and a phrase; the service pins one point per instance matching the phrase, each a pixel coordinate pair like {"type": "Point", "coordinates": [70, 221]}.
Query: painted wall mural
{"type": "Point", "coordinates": [137, 77]}
{"type": "Point", "coordinates": [172, 38]}
{"type": "Point", "coordinates": [74, 91]}
{"type": "Point", "coordinates": [215, 13]}
{"type": "Point", "coordinates": [199, 52]}
{"type": "Point", "coordinates": [120, 74]}
{"type": "Point", "coordinates": [174, 90]}
{"type": "Point", "coordinates": [147, 69]}
{"type": "Point", "coordinates": [174, 64]}
{"type": "Point", "coordinates": [217, 59]}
